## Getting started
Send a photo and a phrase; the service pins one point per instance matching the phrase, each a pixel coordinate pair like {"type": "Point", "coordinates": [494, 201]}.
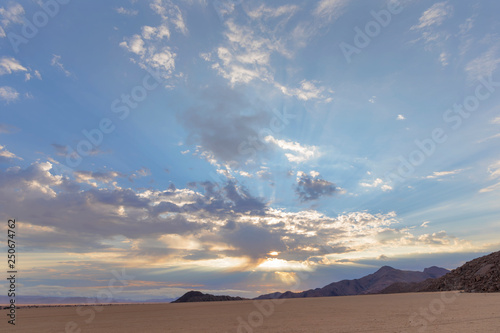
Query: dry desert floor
{"type": "Point", "coordinates": [419, 312]}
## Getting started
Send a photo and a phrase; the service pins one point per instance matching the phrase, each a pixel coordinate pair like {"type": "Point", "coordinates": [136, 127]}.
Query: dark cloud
{"type": "Point", "coordinates": [60, 149]}
{"type": "Point", "coordinates": [228, 198]}
{"type": "Point", "coordinates": [312, 188]}
{"type": "Point", "coordinates": [227, 125]}
{"type": "Point", "coordinates": [253, 240]}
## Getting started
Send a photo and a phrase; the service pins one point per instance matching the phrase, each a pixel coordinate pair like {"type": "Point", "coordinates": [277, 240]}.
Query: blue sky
{"type": "Point", "coordinates": [229, 145]}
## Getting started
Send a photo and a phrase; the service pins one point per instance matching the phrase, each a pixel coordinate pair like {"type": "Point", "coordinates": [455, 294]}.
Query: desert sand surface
{"type": "Point", "coordinates": [417, 312]}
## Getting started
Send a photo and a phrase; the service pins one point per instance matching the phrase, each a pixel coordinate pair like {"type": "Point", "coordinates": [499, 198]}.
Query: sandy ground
{"type": "Point", "coordinates": [420, 312]}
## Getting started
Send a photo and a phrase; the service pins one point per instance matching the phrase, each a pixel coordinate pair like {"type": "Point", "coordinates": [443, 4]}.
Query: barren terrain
{"type": "Point", "coordinates": [419, 312]}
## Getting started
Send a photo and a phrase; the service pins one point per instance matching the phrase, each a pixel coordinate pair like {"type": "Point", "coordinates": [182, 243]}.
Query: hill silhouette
{"type": "Point", "coordinates": [370, 284]}
{"type": "Point", "coordinates": [198, 296]}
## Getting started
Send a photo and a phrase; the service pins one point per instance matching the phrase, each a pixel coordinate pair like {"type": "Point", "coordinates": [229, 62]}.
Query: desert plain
{"type": "Point", "coordinates": [413, 312]}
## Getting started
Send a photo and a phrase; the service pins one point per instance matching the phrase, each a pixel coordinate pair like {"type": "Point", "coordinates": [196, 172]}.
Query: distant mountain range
{"type": "Point", "coordinates": [370, 284]}
{"type": "Point", "coordinates": [54, 300]}
{"type": "Point", "coordinates": [198, 296]}
{"type": "Point", "coordinates": [478, 275]}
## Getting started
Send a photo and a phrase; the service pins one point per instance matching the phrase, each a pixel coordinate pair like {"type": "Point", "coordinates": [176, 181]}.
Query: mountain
{"type": "Point", "coordinates": [370, 284]}
{"type": "Point", "coordinates": [478, 275]}
{"type": "Point", "coordinates": [197, 296]}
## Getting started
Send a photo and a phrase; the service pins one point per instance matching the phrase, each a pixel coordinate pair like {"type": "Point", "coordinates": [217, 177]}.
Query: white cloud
{"type": "Point", "coordinates": [149, 46]}
{"type": "Point", "coordinates": [307, 91]}
{"type": "Point", "coordinates": [8, 94]}
{"type": "Point", "coordinates": [372, 99]}
{"type": "Point", "coordinates": [246, 56]}
{"type": "Point", "coordinates": [440, 174]}
{"type": "Point", "coordinates": [170, 12]}
{"type": "Point", "coordinates": [12, 14]}
{"type": "Point", "coordinates": [434, 16]}
{"type": "Point", "coordinates": [134, 44]}
{"type": "Point", "coordinates": [268, 12]}
{"type": "Point", "coordinates": [494, 171]}
{"type": "Point", "coordinates": [56, 62]}
{"type": "Point", "coordinates": [10, 65]}
{"type": "Point", "coordinates": [124, 11]}
{"type": "Point", "coordinates": [155, 32]}
{"type": "Point", "coordinates": [330, 9]}
{"type": "Point", "coordinates": [492, 137]}
{"type": "Point", "coordinates": [2, 33]}
{"type": "Point", "coordinates": [496, 121]}
{"type": "Point", "coordinates": [28, 76]}
{"type": "Point", "coordinates": [400, 117]}
{"type": "Point", "coordinates": [428, 24]}
{"type": "Point", "coordinates": [377, 183]}
{"type": "Point", "coordinates": [299, 153]}
{"type": "Point", "coordinates": [443, 57]}
{"type": "Point", "coordinates": [484, 65]}
{"type": "Point", "coordinates": [5, 154]}
{"type": "Point", "coordinates": [425, 224]}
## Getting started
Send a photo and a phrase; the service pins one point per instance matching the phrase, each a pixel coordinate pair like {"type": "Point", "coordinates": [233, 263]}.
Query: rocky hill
{"type": "Point", "coordinates": [478, 275]}
{"type": "Point", "coordinates": [481, 275]}
{"type": "Point", "coordinates": [197, 296]}
{"type": "Point", "coordinates": [370, 284]}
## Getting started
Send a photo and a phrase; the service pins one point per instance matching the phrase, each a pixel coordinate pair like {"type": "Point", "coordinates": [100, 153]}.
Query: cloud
{"type": "Point", "coordinates": [28, 76]}
{"type": "Point", "coordinates": [92, 178]}
{"type": "Point", "coordinates": [170, 12]}
{"type": "Point", "coordinates": [56, 62]}
{"type": "Point", "coordinates": [268, 12]}
{"type": "Point", "coordinates": [8, 94]}
{"type": "Point", "coordinates": [10, 65]}
{"type": "Point", "coordinates": [226, 126]}
{"type": "Point", "coordinates": [311, 187]}
{"type": "Point", "coordinates": [142, 172]}
{"type": "Point", "coordinates": [155, 32]}
{"type": "Point", "coordinates": [134, 44]}
{"type": "Point", "coordinates": [435, 39]}
{"type": "Point", "coordinates": [253, 241]}
{"type": "Point", "coordinates": [123, 226]}
{"type": "Point", "coordinates": [2, 33]}
{"type": "Point", "coordinates": [483, 65]}
{"type": "Point", "coordinates": [149, 46]}
{"type": "Point", "coordinates": [400, 117]}
{"type": "Point", "coordinates": [377, 183]}
{"type": "Point", "coordinates": [437, 238]}
{"type": "Point", "coordinates": [494, 171]}
{"type": "Point", "coordinates": [330, 10]}
{"type": "Point", "coordinates": [434, 16]}
{"type": "Point", "coordinates": [6, 156]}
{"type": "Point", "coordinates": [6, 129]}
{"type": "Point", "coordinates": [12, 14]}
{"type": "Point", "coordinates": [440, 174]}
{"type": "Point", "coordinates": [124, 11]}
{"type": "Point", "coordinates": [298, 153]}
{"type": "Point", "coordinates": [307, 91]}
{"type": "Point", "coordinates": [63, 150]}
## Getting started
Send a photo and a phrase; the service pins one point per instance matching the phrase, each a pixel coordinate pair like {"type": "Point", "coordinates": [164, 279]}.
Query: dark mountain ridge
{"type": "Point", "coordinates": [198, 296]}
{"type": "Point", "coordinates": [478, 275]}
{"type": "Point", "coordinates": [370, 284]}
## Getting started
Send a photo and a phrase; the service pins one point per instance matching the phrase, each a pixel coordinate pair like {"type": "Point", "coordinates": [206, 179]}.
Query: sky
{"type": "Point", "coordinates": [243, 147]}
